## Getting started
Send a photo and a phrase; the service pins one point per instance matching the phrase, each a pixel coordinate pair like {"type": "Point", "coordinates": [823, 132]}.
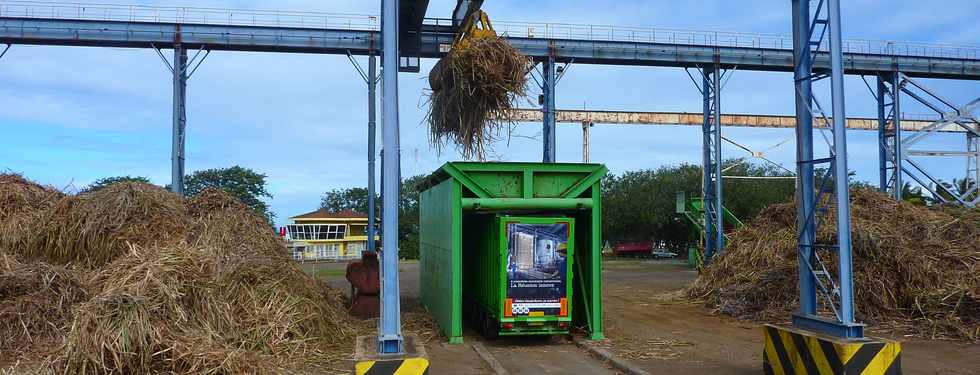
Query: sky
{"type": "Point", "coordinates": [71, 115]}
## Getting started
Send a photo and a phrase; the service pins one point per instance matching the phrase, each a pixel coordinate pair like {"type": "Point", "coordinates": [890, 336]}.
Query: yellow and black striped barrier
{"type": "Point", "coordinates": [404, 366]}
{"type": "Point", "coordinates": [794, 352]}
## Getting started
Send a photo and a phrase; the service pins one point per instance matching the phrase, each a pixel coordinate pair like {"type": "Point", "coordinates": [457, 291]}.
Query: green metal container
{"type": "Point", "coordinates": [478, 222]}
{"type": "Point", "coordinates": [518, 274]}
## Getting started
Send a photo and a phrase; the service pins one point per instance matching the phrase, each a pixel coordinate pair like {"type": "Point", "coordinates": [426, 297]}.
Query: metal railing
{"type": "Point", "coordinates": [190, 15]}
{"type": "Point", "coordinates": [724, 39]}
{"type": "Point", "coordinates": [241, 17]}
{"type": "Point", "coordinates": [716, 39]}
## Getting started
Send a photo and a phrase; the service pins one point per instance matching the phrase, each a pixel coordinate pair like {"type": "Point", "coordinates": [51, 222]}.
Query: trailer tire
{"type": "Point", "coordinates": [490, 327]}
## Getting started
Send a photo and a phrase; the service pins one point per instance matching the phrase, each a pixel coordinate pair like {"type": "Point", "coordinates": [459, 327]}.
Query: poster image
{"type": "Point", "coordinates": [537, 266]}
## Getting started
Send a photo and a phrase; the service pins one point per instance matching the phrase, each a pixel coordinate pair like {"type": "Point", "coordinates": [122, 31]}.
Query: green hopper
{"type": "Point", "coordinates": [514, 248]}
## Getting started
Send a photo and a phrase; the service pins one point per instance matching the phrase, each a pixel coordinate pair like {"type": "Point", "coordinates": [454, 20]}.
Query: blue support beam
{"type": "Point", "coordinates": [840, 170]}
{"type": "Point", "coordinates": [372, 82]}
{"type": "Point", "coordinates": [389, 326]}
{"type": "Point", "coordinates": [890, 153]}
{"type": "Point", "coordinates": [973, 161]}
{"type": "Point", "coordinates": [177, 157]}
{"type": "Point", "coordinates": [804, 152]}
{"type": "Point", "coordinates": [714, 228]}
{"type": "Point", "coordinates": [899, 149]}
{"type": "Point", "coordinates": [548, 108]}
{"type": "Point", "coordinates": [365, 42]}
{"type": "Point", "coordinates": [837, 290]}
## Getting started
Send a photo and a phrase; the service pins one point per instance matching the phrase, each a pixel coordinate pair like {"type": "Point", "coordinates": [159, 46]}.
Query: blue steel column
{"type": "Point", "coordinates": [389, 327]}
{"type": "Point", "coordinates": [707, 186]}
{"type": "Point", "coordinates": [719, 193]}
{"type": "Point", "coordinates": [897, 153]}
{"type": "Point", "coordinates": [883, 152]}
{"type": "Point", "coordinates": [804, 153]}
{"type": "Point", "coordinates": [973, 161]}
{"type": "Point", "coordinates": [714, 229]}
{"type": "Point", "coordinates": [890, 137]}
{"type": "Point", "coordinates": [840, 165]}
{"type": "Point", "coordinates": [372, 129]}
{"type": "Point", "coordinates": [179, 118]}
{"type": "Point", "coordinates": [548, 73]}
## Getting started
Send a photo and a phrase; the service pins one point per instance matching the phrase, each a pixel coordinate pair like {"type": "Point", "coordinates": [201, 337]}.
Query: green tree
{"type": "Point", "coordinates": [945, 191]}
{"type": "Point", "coordinates": [640, 205]}
{"type": "Point", "coordinates": [104, 182]}
{"type": "Point", "coordinates": [746, 197]}
{"type": "Point", "coordinates": [913, 193]}
{"type": "Point", "coordinates": [356, 199]}
{"type": "Point", "coordinates": [245, 184]}
{"type": "Point", "coordinates": [408, 218]}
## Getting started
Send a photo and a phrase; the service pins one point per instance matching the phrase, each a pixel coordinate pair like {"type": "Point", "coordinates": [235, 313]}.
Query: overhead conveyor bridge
{"type": "Point", "coordinates": [328, 33]}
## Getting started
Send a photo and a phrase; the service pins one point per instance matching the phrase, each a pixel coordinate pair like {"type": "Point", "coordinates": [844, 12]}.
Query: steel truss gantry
{"type": "Point", "coordinates": [710, 88]}
{"type": "Point", "coordinates": [896, 150]}
{"type": "Point", "coordinates": [836, 291]}
{"type": "Point", "coordinates": [889, 134]}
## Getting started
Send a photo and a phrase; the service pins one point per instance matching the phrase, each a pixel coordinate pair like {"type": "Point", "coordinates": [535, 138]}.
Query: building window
{"type": "Point", "coordinates": [312, 232]}
{"type": "Point", "coordinates": [354, 249]}
{"type": "Point", "coordinates": [327, 251]}
{"type": "Point", "coordinates": [336, 232]}
{"type": "Point", "coordinates": [299, 253]}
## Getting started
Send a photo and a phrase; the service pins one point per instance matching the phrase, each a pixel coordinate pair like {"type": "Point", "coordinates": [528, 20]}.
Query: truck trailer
{"type": "Point", "coordinates": [517, 277]}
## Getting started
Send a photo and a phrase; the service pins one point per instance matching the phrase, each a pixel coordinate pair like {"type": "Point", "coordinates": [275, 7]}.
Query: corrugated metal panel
{"type": "Point", "coordinates": [439, 259]}
{"type": "Point", "coordinates": [481, 261]}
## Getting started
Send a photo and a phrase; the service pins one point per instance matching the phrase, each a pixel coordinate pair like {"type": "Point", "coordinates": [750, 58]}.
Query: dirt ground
{"type": "Point", "coordinates": [647, 323]}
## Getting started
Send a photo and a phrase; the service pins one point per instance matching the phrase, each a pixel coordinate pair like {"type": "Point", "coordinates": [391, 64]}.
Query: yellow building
{"type": "Point", "coordinates": [324, 235]}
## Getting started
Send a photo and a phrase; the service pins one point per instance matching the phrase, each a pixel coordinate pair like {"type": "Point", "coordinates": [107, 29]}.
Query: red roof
{"type": "Point", "coordinates": [324, 214]}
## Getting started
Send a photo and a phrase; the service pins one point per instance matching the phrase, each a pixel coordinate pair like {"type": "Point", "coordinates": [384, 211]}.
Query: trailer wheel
{"type": "Point", "coordinates": [490, 327]}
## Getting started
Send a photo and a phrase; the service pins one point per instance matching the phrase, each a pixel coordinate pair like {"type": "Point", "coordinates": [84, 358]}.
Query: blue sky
{"type": "Point", "coordinates": [73, 115]}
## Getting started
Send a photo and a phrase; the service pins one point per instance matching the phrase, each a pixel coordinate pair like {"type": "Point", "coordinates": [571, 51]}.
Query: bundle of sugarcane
{"type": "Point", "coordinates": [473, 88]}
{"type": "Point", "coordinates": [22, 202]}
{"type": "Point", "coordinates": [197, 309]}
{"type": "Point", "coordinates": [134, 279]}
{"type": "Point", "coordinates": [36, 301]}
{"type": "Point", "coordinates": [916, 269]}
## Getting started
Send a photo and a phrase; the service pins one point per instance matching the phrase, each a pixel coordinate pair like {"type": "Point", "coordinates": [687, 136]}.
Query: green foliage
{"type": "Point", "coordinates": [944, 191]}
{"type": "Point", "coordinates": [245, 184]}
{"type": "Point", "coordinates": [746, 197]}
{"type": "Point", "coordinates": [408, 218]}
{"type": "Point", "coordinates": [640, 205]}
{"type": "Point", "coordinates": [913, 194]}
{"type": "Point", "coordinates": [103, 182]}
{"type": "Point", "coordinates": [356, 199]}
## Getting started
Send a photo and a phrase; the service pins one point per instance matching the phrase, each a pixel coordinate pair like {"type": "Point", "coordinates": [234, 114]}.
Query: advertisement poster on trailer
{"type": "Point", "coordinates": [537, 268]}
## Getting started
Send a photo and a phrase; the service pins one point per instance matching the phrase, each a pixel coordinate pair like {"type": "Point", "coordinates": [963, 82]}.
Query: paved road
{"type": "Point", "coordinates": [535, 355]}
{"type": "Point", "coordinates": [647, 324]}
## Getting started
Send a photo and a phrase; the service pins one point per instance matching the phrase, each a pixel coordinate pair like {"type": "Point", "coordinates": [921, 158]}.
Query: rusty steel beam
{"type": "Point", "coordinates": [696, 119]}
